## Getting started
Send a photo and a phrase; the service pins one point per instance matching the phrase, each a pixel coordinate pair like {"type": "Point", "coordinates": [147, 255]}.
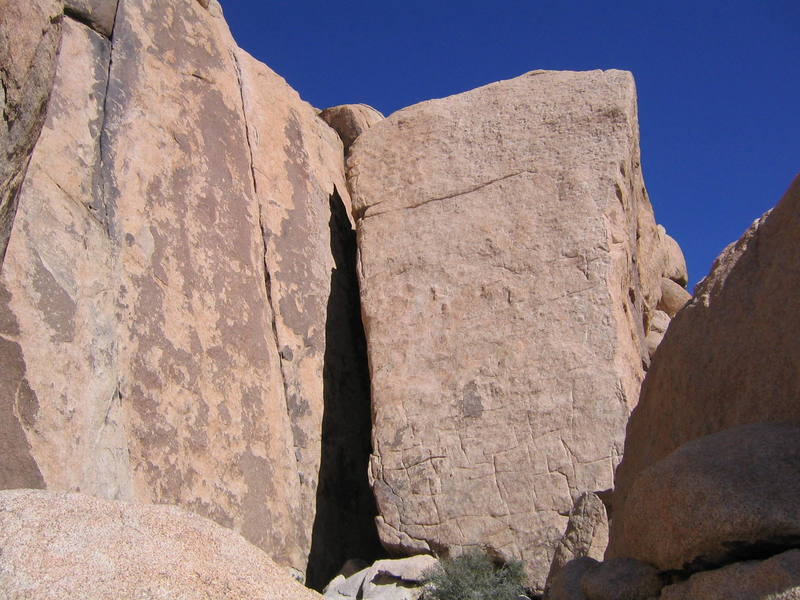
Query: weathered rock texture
{"type": "Point", "coordinates": [729, 358]}
{"type": "Point", "coordinates": [178, 305]}
{"type": "Point", "coordinates": [586, 534]}
{"type": "Point", "coordinates": [30, 35]}
{"type": "Point", "coordinates": [350, 120]}
{"type": "Point", "coordinates": [508, 260]}
{"type": "Point", "coordinates": [716, 499]}
{"type": "Point", "coordinates": [97, 14]}
{"type": "Point", "coordinates": [57, 545]}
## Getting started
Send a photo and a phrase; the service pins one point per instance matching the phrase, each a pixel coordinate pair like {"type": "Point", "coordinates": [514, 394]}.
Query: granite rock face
{"type": "Point", "coordinates": [61, 545]}
{"type": "Point", "coordinates": [30, 36]}
{"type": "Point", "coordinates": [178, 305]}
{"type": "Point", "coordinates": [716, 499]}
{"type": "Point", "coordinates": [508, 260]}
{"type": "Point", "coordinates": [586, 534]}
{"type": "Point", "coordinates": [729, 358]}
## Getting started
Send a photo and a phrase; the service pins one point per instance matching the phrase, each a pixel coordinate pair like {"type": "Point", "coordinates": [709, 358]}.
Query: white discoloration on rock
{"type": "Point", "coordinates": [508, 258]}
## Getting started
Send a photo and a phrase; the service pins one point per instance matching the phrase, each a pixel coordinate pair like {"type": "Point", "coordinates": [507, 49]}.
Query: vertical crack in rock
{"type": "Point", "coordinates": [344, 524]}
{"type": "Point", "coordinates": [100, 203]}
{"type": "Point", "coordinates": [264, 232]}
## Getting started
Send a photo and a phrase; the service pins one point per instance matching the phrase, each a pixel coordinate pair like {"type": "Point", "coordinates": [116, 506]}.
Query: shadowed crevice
{"type": "Point", "coordinates": [344, 526]}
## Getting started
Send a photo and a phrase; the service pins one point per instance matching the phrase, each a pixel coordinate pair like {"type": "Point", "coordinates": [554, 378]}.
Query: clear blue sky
{"type": "Point", "coordinates": [719, 82]}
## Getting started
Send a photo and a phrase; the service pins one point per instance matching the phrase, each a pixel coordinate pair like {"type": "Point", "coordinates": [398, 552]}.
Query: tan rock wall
{"type": "Point", "coordinates": [30, 36]}
{"type": "Point", "coordinates": [179, 306]}
{"type": "Point", "coordinates": [508, 261]}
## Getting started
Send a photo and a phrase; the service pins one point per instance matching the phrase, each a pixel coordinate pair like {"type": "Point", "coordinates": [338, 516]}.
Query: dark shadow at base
{"type": "Point", "coordinates": [344, 526]}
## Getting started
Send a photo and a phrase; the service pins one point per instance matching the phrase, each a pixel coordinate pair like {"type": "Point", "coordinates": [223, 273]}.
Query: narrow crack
{"type": "Point", "coordinates": [101, 183]}
{"type": "Point", "coordinates": [263, 232]}
{"type": "Point", "coordinates": [364, 214]}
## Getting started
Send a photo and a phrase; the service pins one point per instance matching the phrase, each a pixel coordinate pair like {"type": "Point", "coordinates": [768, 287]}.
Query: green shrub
{"type": "Point", "coordinates": [474, 576]}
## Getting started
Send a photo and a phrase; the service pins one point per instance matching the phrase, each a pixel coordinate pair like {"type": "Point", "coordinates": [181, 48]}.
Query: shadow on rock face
{"type": "Point", "coordinates": [344, 526]}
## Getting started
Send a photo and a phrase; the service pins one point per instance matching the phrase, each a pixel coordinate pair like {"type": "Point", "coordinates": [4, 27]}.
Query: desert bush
{"type": "Point", "coordinates": [474, 576]}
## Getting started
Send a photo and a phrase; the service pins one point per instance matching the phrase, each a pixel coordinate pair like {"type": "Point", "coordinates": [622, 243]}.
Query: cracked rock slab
{"type": "Point", "coordinates": [508, 256]}
{"type": "Point", "coordinates": [177, 190]}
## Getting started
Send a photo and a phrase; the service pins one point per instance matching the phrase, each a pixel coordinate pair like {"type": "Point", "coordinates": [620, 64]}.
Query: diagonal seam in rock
{"type": "Point", "coordinates": [368, 213]}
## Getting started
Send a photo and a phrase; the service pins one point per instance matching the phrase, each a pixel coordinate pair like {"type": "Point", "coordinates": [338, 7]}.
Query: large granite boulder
{"type": "Point", "coordinates": [674, 261]}
{"type": "Point", "coordinates": [508, 260]}
{"type": "Point", "coordinates": [723, 497]}
{"type": "Point", "coordinates": [179, 314]}
{"type": "Point", "coordinates": [30, 35]}
{"type": "Point", "coordinates": [586, 534]}
{"type": "Point", "coordinates": [777, 578]}
{"type": "Point", "coordinates": [387, 579]}
{"type": "Point", "coordinates": [59, 545]}
{"type": "Point", "coordinates": [730, 357]}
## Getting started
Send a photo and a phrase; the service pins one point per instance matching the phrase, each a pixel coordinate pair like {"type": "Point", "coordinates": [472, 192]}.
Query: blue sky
{"type": "Point", "coordinates": [718, 82]}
